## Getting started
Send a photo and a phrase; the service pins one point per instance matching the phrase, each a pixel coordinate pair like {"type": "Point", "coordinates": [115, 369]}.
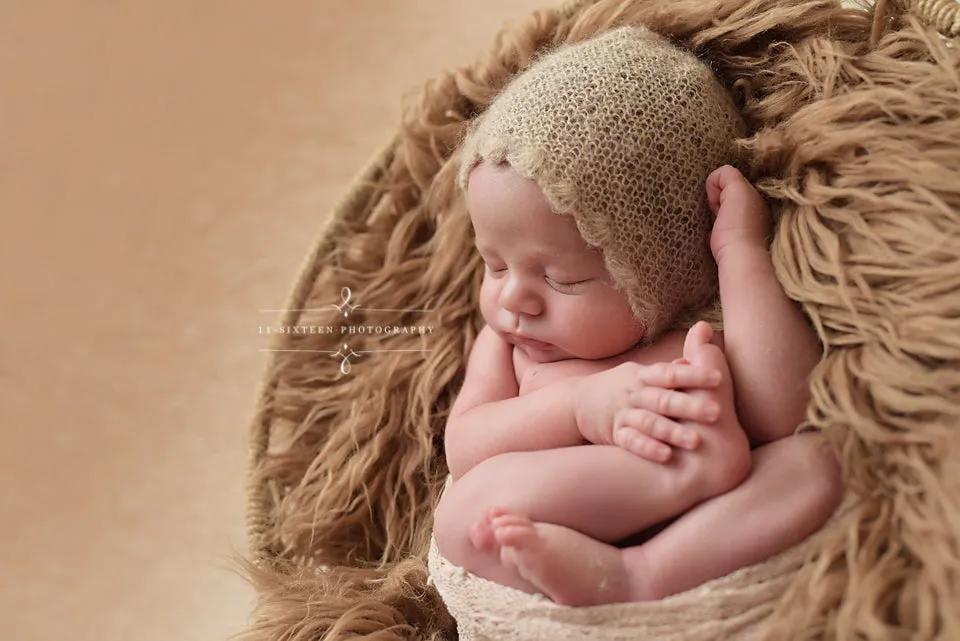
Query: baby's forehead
{"type": "Point", "coordinates": [543, 249]}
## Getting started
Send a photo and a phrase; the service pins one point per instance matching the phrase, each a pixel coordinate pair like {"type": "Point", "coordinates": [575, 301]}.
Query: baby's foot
{"type": "Point", "coordinates": [726, 448]}
{"type": "Point", "coordinates": [569, 567]}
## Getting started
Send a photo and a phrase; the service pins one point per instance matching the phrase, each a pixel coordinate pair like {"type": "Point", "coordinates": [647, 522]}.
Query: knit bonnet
{"type": "Point", "coordinates": [620, 132]}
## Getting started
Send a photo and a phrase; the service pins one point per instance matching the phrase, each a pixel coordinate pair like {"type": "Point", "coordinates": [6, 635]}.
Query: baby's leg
{"type": "Point", "coordinates": [596, 492]}
{"type": "Point", "coordinates": [795, 485]}
{"type": "Point", "coordinates": [591, 492]}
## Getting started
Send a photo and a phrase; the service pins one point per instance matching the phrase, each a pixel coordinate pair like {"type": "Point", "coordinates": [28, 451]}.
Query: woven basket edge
{"type": "Point", "coordinates": [942, 15]}
{"type": "Point", "coordinates": [353, 205]}
{"type": "Point", "coordinates": [260, 495]}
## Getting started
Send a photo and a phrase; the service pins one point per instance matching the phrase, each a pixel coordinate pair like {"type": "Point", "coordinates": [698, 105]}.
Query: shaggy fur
{"type": "Point", "coordinates": [855, 141]}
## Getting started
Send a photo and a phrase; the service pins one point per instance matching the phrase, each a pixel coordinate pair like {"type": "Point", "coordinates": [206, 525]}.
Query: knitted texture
{"type": "Point", "coordinates": [732, 608]}
{"type": "Point", "coordinates": [621, 132]}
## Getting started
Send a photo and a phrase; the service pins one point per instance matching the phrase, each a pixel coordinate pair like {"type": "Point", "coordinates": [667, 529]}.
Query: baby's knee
{"type": "Point", "coordinates": [451, 527]}
{"type": "Point", "coordinates": [463, 504]}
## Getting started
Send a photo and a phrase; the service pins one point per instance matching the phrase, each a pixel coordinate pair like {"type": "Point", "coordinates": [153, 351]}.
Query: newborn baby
{"type": "Point", "coordinates": [586, 417]}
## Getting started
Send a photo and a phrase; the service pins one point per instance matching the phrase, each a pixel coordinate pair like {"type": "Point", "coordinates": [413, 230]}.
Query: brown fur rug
{"type": "Point", "coordinates": [854, 135]}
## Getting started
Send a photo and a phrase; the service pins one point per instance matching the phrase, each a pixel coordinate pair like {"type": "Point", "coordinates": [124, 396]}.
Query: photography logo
{"type": "Point", "coordinates": [346, 328]}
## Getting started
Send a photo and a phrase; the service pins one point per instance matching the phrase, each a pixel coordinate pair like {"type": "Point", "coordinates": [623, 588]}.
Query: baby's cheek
{"type": "Point", "coordinates": [488, 297]}
{"type": "Point", "coordinates": [615, 327]}
{"type": "Point", "coordinates": [583, 325]}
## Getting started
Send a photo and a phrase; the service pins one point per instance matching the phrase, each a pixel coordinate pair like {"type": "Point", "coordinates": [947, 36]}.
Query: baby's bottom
{"type": "Point", "coordinates": [513, 522]}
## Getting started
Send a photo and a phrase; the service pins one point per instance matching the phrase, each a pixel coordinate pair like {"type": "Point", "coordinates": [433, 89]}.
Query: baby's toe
{"type": "Point", "coordinates": [699, 334]}
{"type": "Point", "coordinates": [506, 519]}
{"type": "Point", "coordinates": [482, 536]}
{"type": "Point", "coordinates": [516, 536]}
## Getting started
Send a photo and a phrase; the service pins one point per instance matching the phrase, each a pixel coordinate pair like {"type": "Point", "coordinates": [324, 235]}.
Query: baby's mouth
{"type": "Point", "coordinates": [529, 342]}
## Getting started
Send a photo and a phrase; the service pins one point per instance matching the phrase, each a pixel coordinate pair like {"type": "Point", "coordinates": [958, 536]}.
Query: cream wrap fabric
{"type": "Point", "coordinates": [731, 608]}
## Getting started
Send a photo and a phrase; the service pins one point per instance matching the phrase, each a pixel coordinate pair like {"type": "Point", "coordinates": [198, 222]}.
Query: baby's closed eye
{"type": "Point", "coordinates": [495, 269]}
{"type": "Point", "coordinates": [566, 285]}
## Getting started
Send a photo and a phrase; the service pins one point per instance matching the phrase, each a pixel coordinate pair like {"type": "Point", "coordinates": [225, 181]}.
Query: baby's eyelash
{"type": "Point", "coordinates": [560, 286]}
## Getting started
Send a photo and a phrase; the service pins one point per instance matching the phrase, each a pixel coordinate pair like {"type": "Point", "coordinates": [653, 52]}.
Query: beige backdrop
{"type": "Point", "coordinates": [162, 172]}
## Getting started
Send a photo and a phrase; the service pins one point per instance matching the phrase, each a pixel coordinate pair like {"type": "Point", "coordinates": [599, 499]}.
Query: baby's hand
{"type": "Point", "coordinates": [632, 405]}
{"type": "Point", "coordinates": [742, 214]}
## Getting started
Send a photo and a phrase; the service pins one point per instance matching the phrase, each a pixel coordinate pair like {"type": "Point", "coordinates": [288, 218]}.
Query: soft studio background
{"type": "Point", "coordinates": [164, 167]}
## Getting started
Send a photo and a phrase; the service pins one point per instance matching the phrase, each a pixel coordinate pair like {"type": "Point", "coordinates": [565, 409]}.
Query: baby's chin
{"type": "Point", "coordinates": [555, 354]}
{"type": "Point", "coordinates": [593, 353]}
{"type": "Point", "coordinates": [544, 355]}
{"type": "Point", "coordinates": [541, 352]}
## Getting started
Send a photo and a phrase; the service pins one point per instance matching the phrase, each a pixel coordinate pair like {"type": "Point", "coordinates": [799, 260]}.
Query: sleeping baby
{"type": "Point", "coordinates": [594, 408]}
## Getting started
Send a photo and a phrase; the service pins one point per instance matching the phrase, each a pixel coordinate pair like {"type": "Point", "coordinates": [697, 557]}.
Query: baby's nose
{"type": "Point", "coordinates": [518, 298]}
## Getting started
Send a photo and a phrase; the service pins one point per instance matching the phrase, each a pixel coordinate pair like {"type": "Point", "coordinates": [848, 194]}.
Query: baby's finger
{"type": "Point", "coordinates": [674, 404]}
{"type": "Point", "coordinates": [716, 181]}
{"type": "Point", "coordinates": [725, 176]}
{"type": "Point", "coordinates": [658, 428]}
{"type": "Point", "coordinates": [641, 445]}
{"type": "Point", "coordinates": [679, 376]}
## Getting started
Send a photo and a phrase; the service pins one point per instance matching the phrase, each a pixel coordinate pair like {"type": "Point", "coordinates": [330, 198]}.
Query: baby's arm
{"type": "Point", "coordinates": [488, 417]}
{"type": "Point", "coordinates": [770, 347]}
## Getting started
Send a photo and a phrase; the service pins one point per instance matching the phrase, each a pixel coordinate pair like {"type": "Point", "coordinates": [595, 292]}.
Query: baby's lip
{"type": "Point", "coordinates": [529, 342]}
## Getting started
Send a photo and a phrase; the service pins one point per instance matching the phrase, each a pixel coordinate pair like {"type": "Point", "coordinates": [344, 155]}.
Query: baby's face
{"type": "Point", "coordinates": [543, 289]}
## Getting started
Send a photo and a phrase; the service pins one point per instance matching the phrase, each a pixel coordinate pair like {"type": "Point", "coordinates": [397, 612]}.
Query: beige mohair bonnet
{"type": "Point", "coordinates": [621, 132]}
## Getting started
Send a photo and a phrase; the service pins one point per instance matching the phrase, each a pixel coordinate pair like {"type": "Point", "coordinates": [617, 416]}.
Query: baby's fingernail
{"type": "Point", "coordinates": [688, 438]}
{"type": "Point", "coordinates": [713, 412]}
{"type": "Point", "coordinates": [714, 377]}
{"type": "Point", "coordinates": [663, 452]}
